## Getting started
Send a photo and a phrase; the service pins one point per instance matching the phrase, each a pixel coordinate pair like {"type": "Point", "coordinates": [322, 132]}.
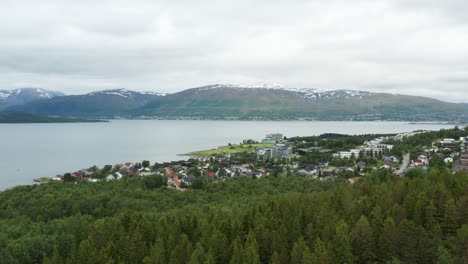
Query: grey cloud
{"type": "Point", "coordinates": [411, 47]}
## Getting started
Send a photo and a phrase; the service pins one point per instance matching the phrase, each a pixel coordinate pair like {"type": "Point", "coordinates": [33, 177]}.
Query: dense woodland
{"type": "Point", "coordinates": [381, 219]}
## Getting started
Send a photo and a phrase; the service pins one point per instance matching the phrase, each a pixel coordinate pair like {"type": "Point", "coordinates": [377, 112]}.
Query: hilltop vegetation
{"type": "Point", "coordinates": [270, 220]}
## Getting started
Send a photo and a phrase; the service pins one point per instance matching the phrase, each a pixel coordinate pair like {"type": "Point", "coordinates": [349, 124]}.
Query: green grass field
{"type": "Point", "coordinates": [230, 149]}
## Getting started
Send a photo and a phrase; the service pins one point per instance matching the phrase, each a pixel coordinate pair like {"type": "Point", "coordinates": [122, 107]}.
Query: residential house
{"type": "Point", "coordinates": [176, 183]}
{"type": "Point", "coordinates": [417, 163]}
{"type": "Point", "coordinates": [461, 164]}
{"type": "Point", "coordinates": [354, 180]}
{"type": "Point", "coordinates": [448, 144]}
{"type": "Point", "coordinates": [187, 180]}
{"type": "Point", "coordinates": [361, 165]}
{"type": "Point", "coordinates": [391, 159]}
{"type": "Point", "coordinates": [114, 176]}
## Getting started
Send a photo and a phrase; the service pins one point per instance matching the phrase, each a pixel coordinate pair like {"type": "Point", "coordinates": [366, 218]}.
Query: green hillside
{"type": "Point", "coordinates": [270, 104]}
{"type": "Point", "coordinates": [230, 102]}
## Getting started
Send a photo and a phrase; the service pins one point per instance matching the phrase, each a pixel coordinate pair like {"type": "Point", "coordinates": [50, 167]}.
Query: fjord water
{"type": "Point", "coordinates": [35, 150]}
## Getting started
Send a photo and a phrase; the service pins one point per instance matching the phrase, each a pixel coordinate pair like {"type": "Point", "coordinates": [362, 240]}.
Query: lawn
{"type": "Point", "coordinates": [230, 149]}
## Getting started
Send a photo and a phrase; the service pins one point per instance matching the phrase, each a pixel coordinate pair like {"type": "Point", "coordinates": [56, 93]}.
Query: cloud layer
{"type": "Point", "coordinates": [411, 47]}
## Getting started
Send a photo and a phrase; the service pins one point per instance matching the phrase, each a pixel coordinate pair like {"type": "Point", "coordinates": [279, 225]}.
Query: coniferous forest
{"type": "Point", "coordinates": [381, 219]}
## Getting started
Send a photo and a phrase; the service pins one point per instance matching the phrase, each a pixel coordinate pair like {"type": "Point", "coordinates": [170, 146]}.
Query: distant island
{"type": "Point", "coordinates": [16, 118]}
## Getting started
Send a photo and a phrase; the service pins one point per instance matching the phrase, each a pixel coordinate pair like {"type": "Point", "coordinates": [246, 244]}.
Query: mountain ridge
{"type": "Point", "coordinates": [249, 101]}
{"type": "Point", "coordinates": [24, 95]}
{"type": "Point", "coordinates": [105, 103]}
{"type": "Point", "coordinates": [221, 101]}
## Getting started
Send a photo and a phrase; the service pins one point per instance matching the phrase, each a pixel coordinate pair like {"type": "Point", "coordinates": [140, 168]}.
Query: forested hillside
{"type": "Point", "coordinates": [382, 219]}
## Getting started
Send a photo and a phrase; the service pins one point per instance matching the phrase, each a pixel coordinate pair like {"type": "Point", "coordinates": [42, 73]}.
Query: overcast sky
{"type": "Point", "coordinates": [417, 47]}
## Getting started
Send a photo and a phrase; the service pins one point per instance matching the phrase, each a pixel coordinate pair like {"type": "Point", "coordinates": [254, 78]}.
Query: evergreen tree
{"type": "Point", "coordinates": [342, 250]}
{"type": "Point", "coordinates": [320, 253]}
{"type": "Point", "coordinates": [363, 241]}
{"type": "Point", "coordinates": [444, 256]}
{"type": "Point", "coordinates": [251, 250]}
{"type": "Point", "coordinates": [237, 252]}
{"type": "Point", "coordinates": [198, 255]}
{"type": "Point", "coordinates": [387, 243]}
{"type": "Point", "coordinates": [297, 253]}
{"type": "Point", "coordinates": [275, 258]}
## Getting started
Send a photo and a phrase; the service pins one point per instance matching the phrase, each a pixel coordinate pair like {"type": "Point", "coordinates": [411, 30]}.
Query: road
{"type": "Point", "coordinates": [404, 164]}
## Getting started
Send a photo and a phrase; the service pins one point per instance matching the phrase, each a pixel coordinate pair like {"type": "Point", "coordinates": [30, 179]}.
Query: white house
{"type": "Point", "coordinates": [448, 160]}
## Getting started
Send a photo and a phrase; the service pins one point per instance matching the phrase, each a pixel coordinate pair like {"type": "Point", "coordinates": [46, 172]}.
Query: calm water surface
{"type": "Point", "coordinates": [29, 151]}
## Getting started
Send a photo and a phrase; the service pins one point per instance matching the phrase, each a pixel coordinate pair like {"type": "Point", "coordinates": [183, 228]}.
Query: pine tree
{"type": "Point", "coordinates": [444, 256]}
{"type": "Point", "coordinates": [157, 253]}
{"type": "Point", "coordinates": [198, 255]}
{"type": "Point", "coordinates": [320, 253]}
{"type": "Point", "coordinates": [342, 250]}
{"type": "Point", "coordinates": [387, 242]}
{"type": "Point", "coordinates": [251, 255]}
{"type": "Point", "coordinates": [363, 241]}
{"type": "Point", "coordinates": [237, 252]}
{"type": "Point", "coordinates": [297, 253]}
{"type": "Point", "coordinates": [307, 256]}
{"type": "Point", "coordinates": [275, 258]}
{"type": "Point", "coordinates": [408, 241]}
{"type": "Point", "coordinates": [217, 245]}
{"type": "Point", "coordinates": [182, 252]}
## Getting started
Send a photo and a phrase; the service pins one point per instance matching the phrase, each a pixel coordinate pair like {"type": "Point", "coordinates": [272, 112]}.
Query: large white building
{"type": "Point", "coordinates": [353, 153]}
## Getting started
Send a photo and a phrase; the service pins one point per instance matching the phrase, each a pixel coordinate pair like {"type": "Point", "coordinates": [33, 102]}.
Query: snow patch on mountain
{"type": "Point", "coordinates": [4, 94]}
{"type": "Point", "coordinates": [313, 94]}
{"type": "Point", "coordinates": [44, 94]}
{"type": "Point", "coordinates": [125, 93]}
{"type": "Point", "coordinates": [154, 93]}
{"type": "Point", "coordinates": [322, 94]}
{"type": "Point", "coordinates": [263, 85]}
{"type": "Point", "coordinates": [244, 86]}
{"type": "Point", "coordinates": [24, 95]}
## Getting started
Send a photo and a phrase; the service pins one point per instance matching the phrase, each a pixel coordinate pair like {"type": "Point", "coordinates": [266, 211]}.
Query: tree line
{"type": "Point", "coordinates": [381, 219]}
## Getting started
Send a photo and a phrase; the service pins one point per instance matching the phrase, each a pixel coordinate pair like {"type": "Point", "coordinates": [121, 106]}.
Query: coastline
{"type": "Point", "coordinates": [158, 141]}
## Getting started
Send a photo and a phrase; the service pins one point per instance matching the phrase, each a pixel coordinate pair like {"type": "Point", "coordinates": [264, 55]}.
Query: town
{"type": "Point", "coordinates": [324, 157]}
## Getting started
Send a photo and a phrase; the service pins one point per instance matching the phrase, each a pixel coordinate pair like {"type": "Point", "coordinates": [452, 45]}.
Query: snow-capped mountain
{"type": "Point", "coordinates": [247, 101]}
{"type": "Point", "coordinates": [126, 93]}
{"type": "Point", "coordinates": [322, 94]}
{"type": "Point", "coordinates": [106, 103]}
{"type": "Point", "coordinates": [24, 95]}
{"type": "Point", "coordinates": [306, 93]}
{"type": "Point", "coordinates": [243, 86]}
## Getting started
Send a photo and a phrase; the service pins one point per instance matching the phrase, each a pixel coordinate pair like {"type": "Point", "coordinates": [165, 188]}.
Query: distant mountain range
{"type": "Point", "coordinates": [24, 95]}
{"type": "Point", "coordinates": [106, 104]}
{"type": "Point", "coordinates": [251, 102]}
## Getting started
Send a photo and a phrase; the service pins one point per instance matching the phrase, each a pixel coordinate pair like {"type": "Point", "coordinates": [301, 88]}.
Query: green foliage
{"type": "Point", "coordinates": [415, 173]}
{"type": "Point", "coordinates": [145, 163]}
{"type": "Point", "coordinates": [380, 219]}
{"type": "Point", "coordinates": [67, 177]}
{"type": "Point", "coordinates": [194, 171]}
{"type": "Point", "coordinates": [154, 181]}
